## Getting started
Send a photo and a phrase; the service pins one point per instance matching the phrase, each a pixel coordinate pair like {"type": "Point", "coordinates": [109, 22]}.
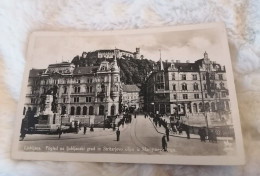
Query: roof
{"type": "Point", "coordinates": [85, 70]}
{"type": "Point", "coordinates": [36, 72]}
{"type": "Point", "coordinates": [130, 88]}
{"type": "Point", "coordinates": [62, 64]}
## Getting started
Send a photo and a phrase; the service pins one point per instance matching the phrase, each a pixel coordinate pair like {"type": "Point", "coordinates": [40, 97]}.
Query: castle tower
{"type": "Point", "coordinates": [137, 53]}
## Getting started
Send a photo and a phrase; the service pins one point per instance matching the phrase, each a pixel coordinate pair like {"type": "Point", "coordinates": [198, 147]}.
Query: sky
{"type": "Point", "coordinates": [174, 45]}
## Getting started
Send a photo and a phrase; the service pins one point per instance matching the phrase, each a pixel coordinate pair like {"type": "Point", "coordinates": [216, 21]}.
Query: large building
{"type": "Point", "coordinates": [112, 53]}
{"type": "Point", "coordinates": [130, 96]}
{"type": "Point", "coordinates": [188, 89]}
{"type": "Point", "coordinates": [80, 93]}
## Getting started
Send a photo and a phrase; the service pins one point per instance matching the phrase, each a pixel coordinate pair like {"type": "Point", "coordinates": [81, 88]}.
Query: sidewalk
{"type": "Point", "coordinates": [183, 135]}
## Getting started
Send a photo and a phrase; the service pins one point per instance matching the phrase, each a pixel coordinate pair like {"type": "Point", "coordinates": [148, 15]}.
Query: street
{"type": "Point", "coordinates": [138, 137]}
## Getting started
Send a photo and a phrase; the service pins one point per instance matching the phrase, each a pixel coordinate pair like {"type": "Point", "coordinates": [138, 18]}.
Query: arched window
{"type": "Point", "coordinates": [65, 90]}
{"type": "Point", "coordinates": [91, 110]}
{"type": "Point", "coordinates": [200, 107]}
{"type": "Point", "coordinates": [184, 86]}
{"type": "Point", "coordinates": [72, 110]}
{"type": "Point", "coordinates": [207, 106]}
{"type": "Point", "coordinates": [174, 87]}
{"type": "Point", "coordinates": [195, 86]}
{"type": "Point", "coordinates": [78, 110]}
{"type": "Point", "coordinates": [63, 110]}
{"type": "Point", "coordinates": [195, 108]}
{"type": "Point", "coordinates": [84, 110]}
{"type": "Point", "coordinates": [113, 110]}
{"type": "Point", "coordinates": [213, 108]}
{"type": "Point", "coordinates": [101, 110]}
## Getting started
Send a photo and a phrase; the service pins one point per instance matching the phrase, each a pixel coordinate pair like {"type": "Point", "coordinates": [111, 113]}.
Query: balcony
{"type": "Point", "coordinates": [162, 91]}
{"type": "Point", "coordinates": [114, 94]}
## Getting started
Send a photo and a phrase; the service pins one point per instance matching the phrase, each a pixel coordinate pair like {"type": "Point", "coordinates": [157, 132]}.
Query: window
{"type": "Point", "coordinates": [76, 99]}
{"type": "Point", "coordinates": [55, 81]}
{"type": "Point", "coordinates": [196, 96]}
{"type": "Point", "coordinates": [205, 87]}
{"type": "Point", "coordinates": [195, 86]}
{"type": "Point", "coordinates": [65, 90]}
{"type": "Point", "coordinates": [76, 89]}
{"type": "Point", "coordinates": [183, 76]}
{"type": "Point", "coordinates": [64, 100]}
{"type": "Point", "coordinates": [89, 80]}
{"type": "Point", "coordinates": [63, 110]}
{"type": "Point", "coordinates": [184, 86]}
{"type": "Point", "coordinates": [101, 110]}
{"type": "Point", "coordinates": [204, 77]}
{"type": "Point", "coordinates": [88, 99]}
{"type": "Point", "coordinates": [194, 77]}
{"type": "Point", "coordinates": [32, 100]}
{"type": "Point", "coordinates": [174, 96]}
{"type": "Point", "coordinates": [185, 96]}
{"type": "Point", "coordinates": [223, 94]}
{"type": "Point", "coordinates": [173, 76]}
{"type": "Point", "coordinates": [220, 76]}
{"type": "Point", "coordinates": [78, 81]}
{"type": "Point", "coordinates": [222, 85]}
{"type": "Point", "coordinates": [84, 110]}
{"type": "Point", "coordinates": [206, 95]}
{"type": "Point", "coordinates": [91, 110]}
{"type": "Point", "coordinates": [174, 87]}
{"type": "Point", "coordinates": [72, 110]}
{"type": "Point", "coordinates": [78, 110]}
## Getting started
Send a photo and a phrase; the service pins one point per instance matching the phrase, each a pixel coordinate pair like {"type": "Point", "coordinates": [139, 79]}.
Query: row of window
{"type": "Point", "coordinates": [194, 77]}
{"type": "Point", "coordinates": [196, 86]}
{"type": "Point", "coordinates": [76, 99]}
{"type": "Point", "coordinates": [87, 111]}
{"type": "Point", "coordinates": [197, 96]}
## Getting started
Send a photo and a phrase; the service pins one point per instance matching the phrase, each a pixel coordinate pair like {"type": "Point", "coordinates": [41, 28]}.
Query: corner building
{"type": "Point", "coordinates": [83, 93]}
{"type": "Point", "coordinates": [188, 89]}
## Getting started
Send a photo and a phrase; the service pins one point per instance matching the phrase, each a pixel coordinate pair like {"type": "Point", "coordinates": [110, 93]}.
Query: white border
{"type": "Point", "coordinates": [238, 159]}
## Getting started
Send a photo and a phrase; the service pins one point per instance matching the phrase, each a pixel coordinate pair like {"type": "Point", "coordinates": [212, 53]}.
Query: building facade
{"type": "Point", "coordinates": [130, 96]}
{"type": "Point", "coordinates": [188, 89]}
{"type": "Point", "coordinates": [80, 93]}
{"type": "Point", "coordinates": [112, 53]}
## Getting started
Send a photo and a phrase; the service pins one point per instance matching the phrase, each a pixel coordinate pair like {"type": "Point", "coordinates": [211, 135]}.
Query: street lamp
{"type": "Point", "coordinates": [104, 119]}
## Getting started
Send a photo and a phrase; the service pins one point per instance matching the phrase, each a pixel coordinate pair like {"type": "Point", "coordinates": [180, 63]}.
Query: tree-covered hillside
{"type": "Point", "coordinates": [133, 71]}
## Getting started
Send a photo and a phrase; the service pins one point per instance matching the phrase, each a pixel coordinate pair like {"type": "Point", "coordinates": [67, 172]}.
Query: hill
{"type": "Point", "coordinates": [133, 71]}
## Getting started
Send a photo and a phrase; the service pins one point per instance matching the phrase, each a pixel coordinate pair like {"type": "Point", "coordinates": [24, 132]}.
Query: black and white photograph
{"type": "Point", "coordinates": [160, 95]}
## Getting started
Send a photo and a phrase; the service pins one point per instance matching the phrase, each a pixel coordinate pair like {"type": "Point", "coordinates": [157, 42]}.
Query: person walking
{"type": "Point", "coordinates": [164, 143]}
{"type": "Point", "coordinates": [59, 132]}
{"type": "Point", "coordinates": [167, 134]}
{"type": "Point", "coordinates": [118, 134]}
{"type": "Point", "coordinates": [85, 129]}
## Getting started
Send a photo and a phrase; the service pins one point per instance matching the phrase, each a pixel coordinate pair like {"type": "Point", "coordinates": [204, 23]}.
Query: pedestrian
{"type": "Point", "coordinates": [167, 134]}
{"type": "Point", "coordinates": [202, 134]}
{"type": "Point", "coordinates": [187, 130]}
{"type": "Point", "coordinates": [210, 136]}
{"type": "Point", "coordinates": [164, 143]}
{"type": "Point", "coordinates": [117, 134]}
{"type": "Point", "coordinates": [91, 128]}
{"type": "Point", "coordinates": [85, 129]}
{"type": "Point", "coordinates": [214, 136]}
{"type": "Point", "coordinates": [59, 132]}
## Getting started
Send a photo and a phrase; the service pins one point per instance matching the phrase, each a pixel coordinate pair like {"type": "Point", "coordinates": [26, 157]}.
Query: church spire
{"type": "Point", "coordinates": [161, 62]}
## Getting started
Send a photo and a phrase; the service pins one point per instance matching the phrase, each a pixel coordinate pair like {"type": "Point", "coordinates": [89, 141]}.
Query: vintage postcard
{"type": "Point", "coordinates": [161, 95]}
